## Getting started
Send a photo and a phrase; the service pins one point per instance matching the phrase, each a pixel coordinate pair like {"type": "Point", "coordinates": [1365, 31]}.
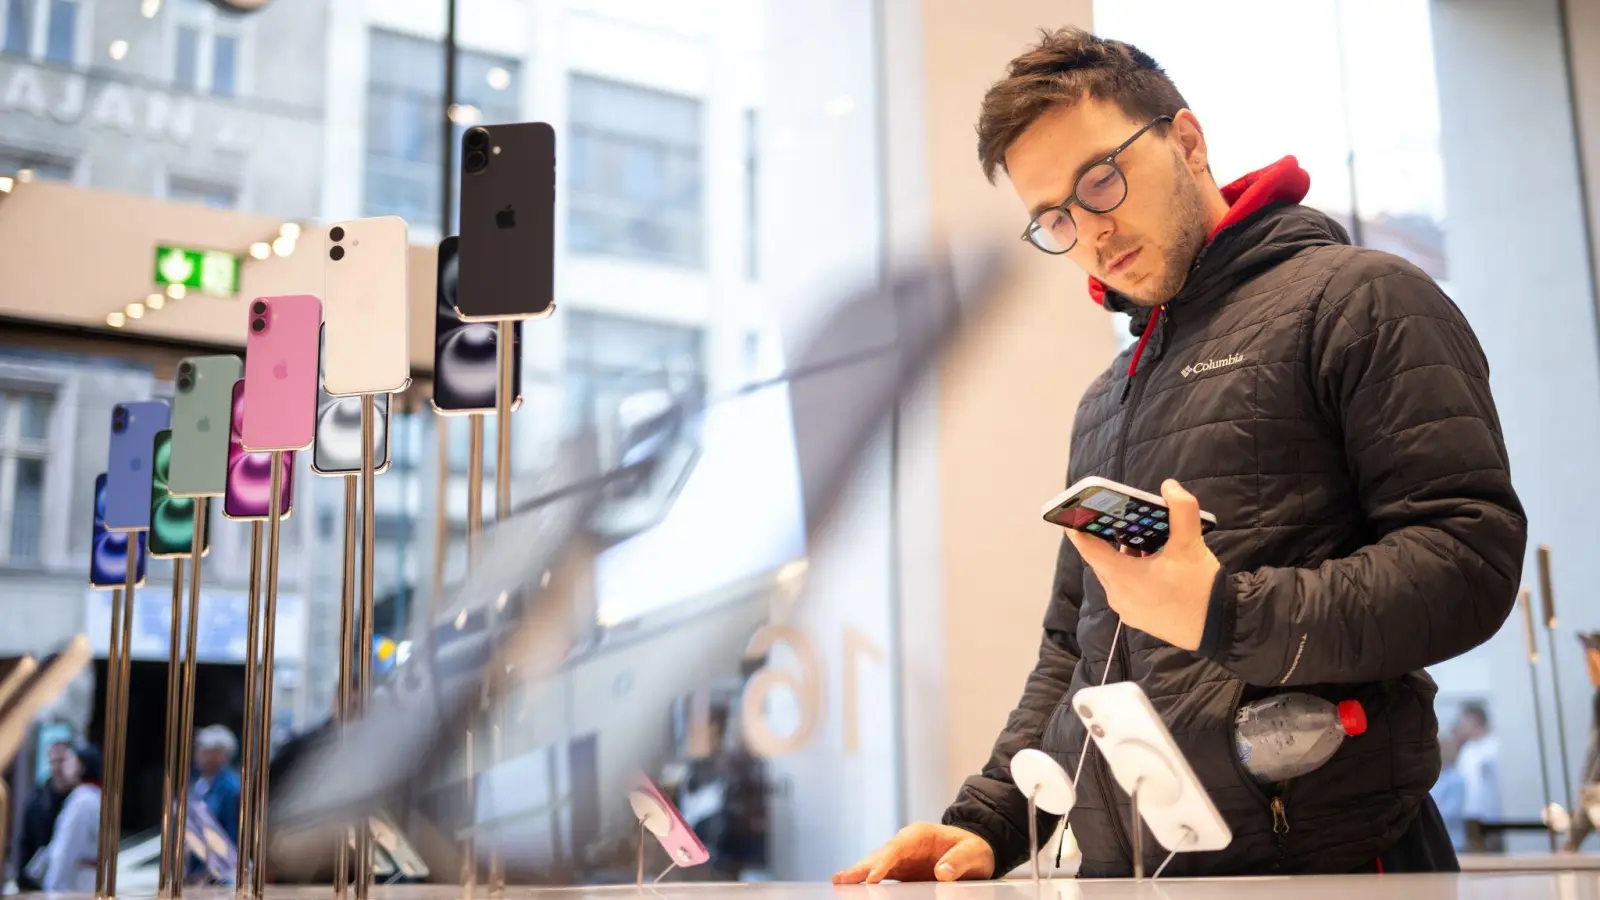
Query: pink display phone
{"type": "Point", "coordinates": [280, 373]}
{"type": "Point", "coordinates": [663, 820]}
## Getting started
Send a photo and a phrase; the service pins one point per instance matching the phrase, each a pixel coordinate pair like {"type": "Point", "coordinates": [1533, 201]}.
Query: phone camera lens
{"type": "Point", "coordinates": [337, 233]}
{"type": "Point", "coordinates": [119, 420]}
{"type": "Point", "coordinates": [259, 308]}
{"type": "Point", "coordinates": [336, 254]}
{"type": "Point", "coordinates": [185, 383]}
{"type": "Point", "coordinates": [476, 161]}
{"type": "Point", "coordinates": [258, 325]}
{"type": "Point", "coordinates": [1097, 731]}
{"type": "Point", "coordinates": [477, 139]}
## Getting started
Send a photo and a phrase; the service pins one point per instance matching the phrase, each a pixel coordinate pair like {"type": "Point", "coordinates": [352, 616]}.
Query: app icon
{"type": "Point", "coordinates": [1134, 529]}
{"type": "Point", "coordinates": [1091, 527]}
{"type": "Point", "coordinates": [1147, 521]}
{"type": "Point", "coordinates": [1136, 540]}
{"type": "Point", "coordinates": [1132, 517]}
{"type": "Point", "coordinates": [1160, 526]}
{"type": "Point", "coordinates": [1159, 513]}
{"type": "Point", "coordinates": [1105, 520]}
{"type": "Point", "coordinates": [1121, 525]}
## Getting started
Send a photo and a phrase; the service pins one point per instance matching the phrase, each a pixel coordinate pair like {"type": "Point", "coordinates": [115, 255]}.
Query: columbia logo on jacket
{"type": "Point", "coordinates": [1208, 365]}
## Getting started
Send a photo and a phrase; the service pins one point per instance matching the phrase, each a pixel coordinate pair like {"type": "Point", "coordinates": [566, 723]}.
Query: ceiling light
{"type": "Point", "coordinates": [7, 183]}
{"type": "Point", "coordinates": [119, 49]}
{"type": "Point", "coordinates": [115, 320]}
{"type": "Point", "coordinates": [135, 310]}
{"type": "Point", "coordinates": [290, 230]}
{"type": "Point", "coordinates": [283, 246]}
{"type": "Point", "coordinates": [261, 250]}
{"type": "Point", "coordinates": [177, 291]}
{"type": "Point", "coordinates": [465, 114]}
{"type": "Point", "coordinates": [149, 8]}
{"type": "Point", "coordinates": [498, 78]}
{"type": "Point", "coordinates": [155, 301]}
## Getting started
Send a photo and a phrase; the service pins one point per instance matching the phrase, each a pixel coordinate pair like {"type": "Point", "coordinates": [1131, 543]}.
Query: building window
{"type": "Point", "coordinates": [24, 433]}
{"type": "Point", "coordinates": [205, 193]}
{"type": "Point", "coordinates": [610, 358]}
{"type": "Point", "coordinates": [42, 29]}
{"type": "Point", "coordinates": [206, 56]}
{"type": "Point", "coordinates": [634, 177]}
{"type": "Point", "coordinates": [405, 105]}
{"type": "Point", "coordinates": [27, 165]}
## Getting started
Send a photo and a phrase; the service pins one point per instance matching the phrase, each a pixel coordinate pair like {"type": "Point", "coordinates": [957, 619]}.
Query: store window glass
{"type": "Point", "coordinates": [635, 172]}
{"type": "Point", "coordinates": [19, 26]}
{"type": "Point", "coordinates": [61, 39]}
{"type": "Point", "coordinates": [24, 432]}
{"type": "Point", "coordinates": [193, 190]}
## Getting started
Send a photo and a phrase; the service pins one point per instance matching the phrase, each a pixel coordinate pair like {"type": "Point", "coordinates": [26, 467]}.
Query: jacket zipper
{"type": "Point", "coordinates": [1278, 805]}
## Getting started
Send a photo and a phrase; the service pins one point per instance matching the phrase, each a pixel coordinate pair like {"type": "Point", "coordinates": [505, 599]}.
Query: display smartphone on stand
{"type": "Point", "coordinates": [280, 373]}
{"type": "Point", "coordinates": [465, 369]}
{"type": "Point", "coordinates": [201, 407]}
{"type": "Point", "coordinates": [171, 518]}
{"type": "Point", "coordinates": [1117, 513]}
{"type": "Point", "coordinates": [108, 554]}
{"type": "Point", "coordinates": [128, 463]}
{"type": "Point", "coordinates": [508, 200]}
{"type": "Point", "coordinates": [247, 494]}
{"type": "Point", "coordinates": [659, 817]}
{"type": "Point", "coordinates": [1139, 749]}
{"type": "Point", "coordinates": [366, 341]}
{"type": "Point", "coordinates": [337, 448]}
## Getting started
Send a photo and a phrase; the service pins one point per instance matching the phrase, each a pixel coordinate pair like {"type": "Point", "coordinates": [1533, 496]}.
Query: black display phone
{"type": "Point", "coordinates": [508, 222]}
{"type": "Point", "coordinates": [466, 372]}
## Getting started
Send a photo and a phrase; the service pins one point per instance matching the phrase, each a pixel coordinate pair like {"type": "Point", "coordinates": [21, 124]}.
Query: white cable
{"type": "Point", "coordinates": [664, 873]}
{"type": "Point", "coordinates": [1187, 837]}
{"type": "Point", "coordinates": [1105, 674]}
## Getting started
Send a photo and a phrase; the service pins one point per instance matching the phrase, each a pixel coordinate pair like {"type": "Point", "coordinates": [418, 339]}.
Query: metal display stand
{"type": "Point", "coordinates": [174, 694]}
{"type": "Point", "coordinates": [263, 724]}
{"type": "Point", "coordinates": [1547, 592]}
{"type": "Point", "coordinates": [653, 820]}
{"type": "Point", "coordinates": [364, 646]}
{"type": "Point", "coordinates": [345, 700]}
{"type": "Point", "coordinates": [117, 672]}
{"type": "Point", "coordinates": [494, 699]}
{"type": "Point", "coordinates": [178, 856]}
{"type": "Point", "coordinates": [1525, 600]}
{"type": "Point", "coordinates": [249, 774]}
{"type": "Point", "coordinates": [1046, 786]}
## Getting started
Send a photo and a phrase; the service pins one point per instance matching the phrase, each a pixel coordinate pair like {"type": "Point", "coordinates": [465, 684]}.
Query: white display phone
{"type": "Point", "coordinates": [1141, 753]}
{"type": "Point", "coordinates": [1117, 513]}
{"type": "Point", "coordinates": [366, 310]}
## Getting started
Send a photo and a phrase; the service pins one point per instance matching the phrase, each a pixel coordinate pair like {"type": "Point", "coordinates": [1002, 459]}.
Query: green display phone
{"type": "Point", "coordinates": [171, 518]}
{"type": "Point", "coordinates": [202, 405]}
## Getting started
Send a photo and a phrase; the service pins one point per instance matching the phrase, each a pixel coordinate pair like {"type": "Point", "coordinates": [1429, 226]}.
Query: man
{"type": "Point", "coordinates": [44, 807]}
{"type": "Point", "coordinates": [1327, 403]}
{"type": "Point", "coordinates": [218, 785]}
{"type": "Point", "coordinates": [1477, 757]}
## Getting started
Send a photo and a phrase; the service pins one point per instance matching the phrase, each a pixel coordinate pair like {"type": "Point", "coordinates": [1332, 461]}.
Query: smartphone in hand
{"type": "Point", "coordinates": [1116, 513]}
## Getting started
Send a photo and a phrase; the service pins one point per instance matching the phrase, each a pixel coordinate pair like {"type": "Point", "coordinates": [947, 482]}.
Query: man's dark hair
{"type": "Point", "coordinates": [1064, 67]}
{"type": "Point", "coordinates": [1477, 711]}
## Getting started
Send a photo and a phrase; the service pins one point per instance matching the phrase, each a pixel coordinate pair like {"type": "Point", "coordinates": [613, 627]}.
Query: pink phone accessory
{"type": "Point", "coordinates": [280, 373]}
{"type": "Point", "coordinates": [659, 817]}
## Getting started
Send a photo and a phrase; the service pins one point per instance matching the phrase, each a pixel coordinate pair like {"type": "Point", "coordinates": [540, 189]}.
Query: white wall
{"type": "Point", "coordinates": [1519, 266]}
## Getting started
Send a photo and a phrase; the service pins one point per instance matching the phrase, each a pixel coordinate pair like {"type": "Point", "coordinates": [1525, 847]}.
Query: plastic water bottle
{"type": "Point", "coordinates": [1285, 735]}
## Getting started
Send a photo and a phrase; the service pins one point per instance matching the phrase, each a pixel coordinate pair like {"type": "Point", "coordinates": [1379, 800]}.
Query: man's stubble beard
{"type": "Point", "coordinates": [1186, 235]}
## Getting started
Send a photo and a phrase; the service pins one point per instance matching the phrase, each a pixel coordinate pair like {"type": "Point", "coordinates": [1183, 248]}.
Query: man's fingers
{"type": "Point", "coordinates": [970, 858]}
{"type": "Point", "coordinates": [855, 874]}
{"type": "Point", "coordinates": [884, 861]}
{"type": "Point", "coordinates": [1183, 511]}
{"type": "Point", "coordinates": [1105, 558]}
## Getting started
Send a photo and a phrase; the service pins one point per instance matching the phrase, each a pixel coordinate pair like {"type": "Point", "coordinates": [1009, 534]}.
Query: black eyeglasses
{"type": "Point", "coordinates": [1101, 188]}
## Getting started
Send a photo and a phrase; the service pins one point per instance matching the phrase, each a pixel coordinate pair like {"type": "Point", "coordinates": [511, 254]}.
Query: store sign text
{"type": "Point", "coordinates": [71, 99]}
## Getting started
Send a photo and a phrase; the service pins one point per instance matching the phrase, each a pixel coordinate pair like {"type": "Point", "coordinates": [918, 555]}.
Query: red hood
{"type": "Point", "coordinates": [1282, 182]}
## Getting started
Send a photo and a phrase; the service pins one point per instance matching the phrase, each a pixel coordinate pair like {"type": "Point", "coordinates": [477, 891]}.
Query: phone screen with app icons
{"type": "Point", "coordinates": [1118, 518]}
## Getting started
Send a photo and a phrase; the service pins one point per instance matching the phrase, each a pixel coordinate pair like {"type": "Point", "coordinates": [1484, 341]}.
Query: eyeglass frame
{"type": "Point", "coordinates": [1065, 207]}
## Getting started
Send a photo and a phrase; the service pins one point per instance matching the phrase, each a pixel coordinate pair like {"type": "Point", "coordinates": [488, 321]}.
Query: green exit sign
{"type": "Point", "coordinates": [211, 272]}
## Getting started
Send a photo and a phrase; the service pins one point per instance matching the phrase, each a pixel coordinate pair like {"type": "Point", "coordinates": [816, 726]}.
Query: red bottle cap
{"type": "Point", "coordinates": [1352, 717]}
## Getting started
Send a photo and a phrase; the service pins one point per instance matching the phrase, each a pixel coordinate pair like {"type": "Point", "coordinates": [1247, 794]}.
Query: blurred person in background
{"type": "Point", "coordinates": [1450, 794]}
{"type": "Point", "coordinates": [44, 807]}
{"type": "Point", "coordinates": [1583, 823]}
{"type": "Point", "coordinates": [1477, 759]}
{"type": "Point", "coordinates": [217, 784]}
{"type": "Point", "coordinates": [67, 863]}
{"type": "Point", "coordinates": [1331, 407]}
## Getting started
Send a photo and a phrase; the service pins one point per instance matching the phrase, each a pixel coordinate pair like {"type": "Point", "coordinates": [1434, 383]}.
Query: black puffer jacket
{"type": "Point", "coordinates": [1331, 407]}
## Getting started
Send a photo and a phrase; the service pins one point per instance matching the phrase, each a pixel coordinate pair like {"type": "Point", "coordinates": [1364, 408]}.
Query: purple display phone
{"type": "Point", "coordinates": [130, 462]}
{"type": "Point", "coordinates": [249, 489]}
{"type": "Point", "coordinates": [108, 552]}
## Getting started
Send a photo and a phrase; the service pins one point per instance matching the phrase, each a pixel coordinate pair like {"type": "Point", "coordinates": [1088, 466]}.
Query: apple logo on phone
{"type": "Point", "coordinates": [203, 425]}
{"type": "Point", "coordinates": [506, 218]}
{"type": "Point", "coordinates": [135, 464]}
{"type": "Point", "coordinates": [280, 371]}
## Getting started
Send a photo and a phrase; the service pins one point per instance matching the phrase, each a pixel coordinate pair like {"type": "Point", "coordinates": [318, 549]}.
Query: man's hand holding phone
{"type": "Point", "coordinates": [1164, 594]}
{"type": "Point", "coordinates": [924, 851]}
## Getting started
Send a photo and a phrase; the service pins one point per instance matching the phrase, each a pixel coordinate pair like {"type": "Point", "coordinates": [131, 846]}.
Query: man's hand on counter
{"type": "Point", "coordinates": [924, 851]}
